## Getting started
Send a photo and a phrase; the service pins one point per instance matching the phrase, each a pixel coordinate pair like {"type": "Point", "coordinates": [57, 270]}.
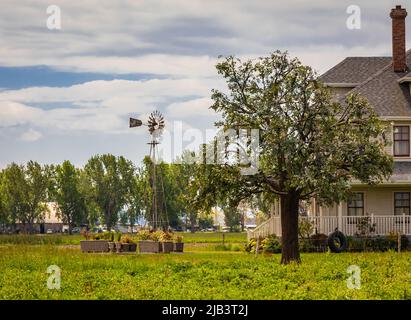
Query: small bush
{"type": "Point", "coordinates": [143, 235]}
{"type": "Point", "coordinates": [271, 244]}
{"type": "Point", "coordinates": [252, 245]}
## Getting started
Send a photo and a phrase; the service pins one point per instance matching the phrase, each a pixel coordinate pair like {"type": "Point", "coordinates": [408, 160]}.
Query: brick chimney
{"type": "Point", "coordinates": [398, 16]}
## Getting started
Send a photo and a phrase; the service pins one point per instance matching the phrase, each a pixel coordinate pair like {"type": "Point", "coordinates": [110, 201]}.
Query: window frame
{"type": "Point", "coordinates": [401, 140]}
{"type": "Point", "coordinates": [399, 207]}
{"type": "Point", "coordinates": [355, 207]}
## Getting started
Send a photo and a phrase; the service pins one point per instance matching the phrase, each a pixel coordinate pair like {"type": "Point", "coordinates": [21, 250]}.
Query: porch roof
{"type": "Point", "coordinates": [401, 175]}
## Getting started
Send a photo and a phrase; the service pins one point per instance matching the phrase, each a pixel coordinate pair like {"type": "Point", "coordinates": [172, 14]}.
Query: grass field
{"type": "Point", "coordinates": [199, 237]}
{"type": "Point", "coordinates": [198, 275]}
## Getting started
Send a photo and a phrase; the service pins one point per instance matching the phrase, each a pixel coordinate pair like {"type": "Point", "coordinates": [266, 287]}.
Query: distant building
{"type": "Point", "coordinates": [49, 224]}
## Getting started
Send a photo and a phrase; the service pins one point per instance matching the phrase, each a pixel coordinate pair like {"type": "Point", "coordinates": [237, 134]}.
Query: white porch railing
{"type": "Point", "coordinates": [347, 224]}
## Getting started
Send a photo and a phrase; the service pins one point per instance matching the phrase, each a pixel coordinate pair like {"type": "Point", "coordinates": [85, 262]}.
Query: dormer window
{"type": "Point", "coordinates": [401, 141]}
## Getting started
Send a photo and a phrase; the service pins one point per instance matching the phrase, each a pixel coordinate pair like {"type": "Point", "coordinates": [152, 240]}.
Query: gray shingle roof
{"type": "Point", "coordinates": [355, 70]}
{"type": "Point", "coordinates": [385, 94]}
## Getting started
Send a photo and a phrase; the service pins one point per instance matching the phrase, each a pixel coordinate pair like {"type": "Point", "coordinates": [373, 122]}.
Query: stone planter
{"type": "Point", "coordinates": [112, 247]}
{"type": "Point", "coordinates": [178, 246]}
{"type": "Point", "coordinates": [149, 246]}
{"type": "Point", "coordinates": [119, 247]}
{"type": "Point", "coordinates": [168, 246]}
{"type": "Point", "coordinates": [94, 246]}
{"type": "Point", "coordinates": [132, 247]}
{"type": "Point", "coordinates": [125, 247]}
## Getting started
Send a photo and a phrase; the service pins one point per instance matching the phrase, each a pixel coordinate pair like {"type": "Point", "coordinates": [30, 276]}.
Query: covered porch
{"type": "Point", "coordinates": [385, 206]}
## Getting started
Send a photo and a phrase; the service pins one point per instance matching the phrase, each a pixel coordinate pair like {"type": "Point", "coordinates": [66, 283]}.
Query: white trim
{"type": "Point", "coordinates": [393, 118]}
{"type": "Point", "coordinates": [341, 85]}
{"type": "Point", "coordinates": [404, 79]}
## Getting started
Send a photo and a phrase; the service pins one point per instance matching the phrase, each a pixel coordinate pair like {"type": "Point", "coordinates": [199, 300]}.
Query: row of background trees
{"type": "Point", "coordinates": [107, 190]}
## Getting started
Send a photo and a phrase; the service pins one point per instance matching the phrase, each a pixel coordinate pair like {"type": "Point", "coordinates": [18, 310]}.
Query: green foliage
{"type": "Point", "coordinates": [118, 236]}
{"type": "Point", "coordinates": [271, 244]}
{"type": "Point", "coordinates": [166, 236]}
{"type": "Point", "coordinates": [305, 228]}
{"type": "Point", "coordinates": [111, 180]}
{"type": "Point", "coordinates": [156, 236]}
{"type": "Point", "coordinates": [232, 218]}
{"type": "Point", "coordinates": [251, 245]}
{"type": "Point", "coordinates": [25, 193]}
{"type": "Point", "coordinates": [364, 227]}
{"type": "Point", "coordinates": [127, 239]}
{"type": "Point", "coordinates": [378, 243]}
{"type": "Point", "coordinates": [143, 235]}
{"type": "Point", "coordinates": [308, 144]}
{"type": "Point", "coordinates": [205, 222]}
{"type": "Point", "coordinates": [204, 276]}
{"type": "Point", "coordinates": [71, 203]}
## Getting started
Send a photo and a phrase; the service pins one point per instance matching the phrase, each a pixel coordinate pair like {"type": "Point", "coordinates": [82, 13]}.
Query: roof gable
{"type": "Point", "coordinates": [384, 92]}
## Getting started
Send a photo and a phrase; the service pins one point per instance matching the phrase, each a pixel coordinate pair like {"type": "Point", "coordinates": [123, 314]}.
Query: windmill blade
{"type": "Point", "coordinates": [135, 123]}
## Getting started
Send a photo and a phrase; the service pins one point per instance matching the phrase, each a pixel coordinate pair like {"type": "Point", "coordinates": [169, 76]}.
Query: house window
{"type": "Point", "coordinates": [401, 141]}
{"type": "Point", "coordinates": [401, 203]}
{"type": "Point", "coordinates": [356, 204]}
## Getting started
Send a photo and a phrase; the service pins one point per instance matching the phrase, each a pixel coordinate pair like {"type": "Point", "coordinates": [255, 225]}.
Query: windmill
{"type": "Point", "coordinates": [155, 126]}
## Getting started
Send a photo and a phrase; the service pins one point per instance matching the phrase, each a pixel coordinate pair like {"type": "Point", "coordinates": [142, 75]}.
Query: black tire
{"type": "Point", "coordinates": [337, 242]}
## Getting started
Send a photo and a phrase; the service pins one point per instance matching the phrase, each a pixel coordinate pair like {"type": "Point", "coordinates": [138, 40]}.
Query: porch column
{"type": "Point", "coordinates": [339, 214]}
{"type": "Point", "coordinates": [319, 224]}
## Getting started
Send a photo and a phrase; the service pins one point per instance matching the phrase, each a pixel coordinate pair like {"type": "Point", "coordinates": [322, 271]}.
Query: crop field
{"type": "Point", "coordinates": [202, 272]}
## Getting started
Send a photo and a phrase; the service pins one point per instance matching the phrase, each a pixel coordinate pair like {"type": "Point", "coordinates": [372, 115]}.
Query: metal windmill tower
{"type": "Point", "coordinates": [155, 126]}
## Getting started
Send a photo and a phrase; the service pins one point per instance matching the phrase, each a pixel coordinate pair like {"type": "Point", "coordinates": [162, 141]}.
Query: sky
{"type": "Point", "coordinates": [68, 93]}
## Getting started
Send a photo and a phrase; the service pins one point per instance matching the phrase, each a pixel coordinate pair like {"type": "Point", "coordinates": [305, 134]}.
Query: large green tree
{"type": "Point", "coordinates": [308, 144]}
{"type": "Point", "coordinates": [25, 192]}
{"type": "Point", "coordinates": [111, 181]}
{"type": "Point", "coordinates": [71, 206]}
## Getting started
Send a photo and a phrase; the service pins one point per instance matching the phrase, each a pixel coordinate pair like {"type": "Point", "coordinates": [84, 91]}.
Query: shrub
{"type": "Point", "coordinates": [377, 243]}
{"type": "Point", "coordinates": [178, 238]}
{"type": "Point", "coordinates": [305, 228]}
{"type": "Point", "coordinates": [166, 236]}
{"type": "Point", "coordinates": [365, 227]}
{"type": "Point", "coordinates": [271, 244]}
{"type": "Point", "coordinates": [127, 239]}
{"type": "Point", "coordinates": [156, 235]}
{"type": "Point", "coordinates": [144, 235]}
{"type": "Point", "coordinates": [251, 245]}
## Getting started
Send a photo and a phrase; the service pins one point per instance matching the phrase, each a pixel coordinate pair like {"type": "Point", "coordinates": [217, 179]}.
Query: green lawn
{"type": "Point", "coordinates": [198, 237]}
{"type": "Point", "coordinates": [198, 275]}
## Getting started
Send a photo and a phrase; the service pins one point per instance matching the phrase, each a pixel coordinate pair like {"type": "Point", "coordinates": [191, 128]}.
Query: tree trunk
{"type": "Point", "coordinates": [289, 226]}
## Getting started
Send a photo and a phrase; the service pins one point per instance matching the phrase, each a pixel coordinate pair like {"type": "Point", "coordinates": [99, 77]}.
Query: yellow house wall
{"type": "Point", "coordinates": [377, 200]}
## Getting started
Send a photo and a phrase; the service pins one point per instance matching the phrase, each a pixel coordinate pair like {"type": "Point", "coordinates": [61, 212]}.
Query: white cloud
{"type": "Point", "coordinates": [103, 106]}
{"type": "Point", "coordinates": [31, 135]}
{"type": "Point", "coordinates": [192, 108]}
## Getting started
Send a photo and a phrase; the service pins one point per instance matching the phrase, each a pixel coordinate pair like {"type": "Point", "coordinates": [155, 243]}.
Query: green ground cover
{"type": "Point", "coordinates": [199, 274]}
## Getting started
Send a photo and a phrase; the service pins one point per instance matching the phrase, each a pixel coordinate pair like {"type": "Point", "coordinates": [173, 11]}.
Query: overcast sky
{"type": "Point", "coordinates": [68, 93]}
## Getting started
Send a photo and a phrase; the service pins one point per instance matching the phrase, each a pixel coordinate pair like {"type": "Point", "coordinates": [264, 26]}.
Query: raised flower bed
{"type": "Point", "coordinates": [94, 246]}
{"type": "Point", "coordinates": [167, 243]}
{"type": "Point", "coordinates": [178, 244]}
{"type": "Point", "coordinates": [149, 246]}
